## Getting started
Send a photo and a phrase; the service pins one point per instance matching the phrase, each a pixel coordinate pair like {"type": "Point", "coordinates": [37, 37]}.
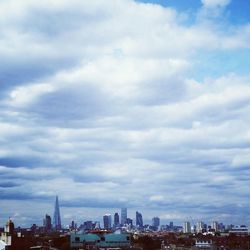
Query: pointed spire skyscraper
{"type": "Point", "coordinates": [57, 218]}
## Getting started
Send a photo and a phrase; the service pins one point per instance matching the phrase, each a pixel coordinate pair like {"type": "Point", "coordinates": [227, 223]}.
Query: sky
{"type": "Point", "coordinates": [123, 103]}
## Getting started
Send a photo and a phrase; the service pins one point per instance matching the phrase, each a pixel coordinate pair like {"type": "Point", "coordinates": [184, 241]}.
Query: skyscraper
{"type": "Point", "coordinates": [107, 221]}
{"type": "Point", "coordinates": [116, 219]}
{"type": "Point", "coordinates": [215, 226]}
{"type": "Point", "coordinates": [200, 227]}
{"type": "Point", "coordinates": [47, 223]}
{"type": "Point", "coordinates": [123, 216]}
{"type": "Point", "coordinates": [57, 218]}
{"type": "Point", "coordinates": [156, 222]}
{"type": "Point", "coordinates": [129, 221]}
{"type": "Point", "coordinates": [139, 220]}
{"type": "Point", "coordinates": [186, 227]}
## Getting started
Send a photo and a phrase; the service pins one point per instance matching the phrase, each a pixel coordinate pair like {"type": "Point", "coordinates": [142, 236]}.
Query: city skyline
{"type": "Point", "coordinates": [112, 221]}
{"type": "Point", "coordinates": [138, 104]}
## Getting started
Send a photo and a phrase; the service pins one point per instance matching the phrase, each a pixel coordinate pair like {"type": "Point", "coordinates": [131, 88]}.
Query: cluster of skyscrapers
{"type": "Point", "coordinates": [123, 221]}
{"type": "Point", "coordinates": [47, 221]}
{"type": "Point", "coordinates": [201, 227]}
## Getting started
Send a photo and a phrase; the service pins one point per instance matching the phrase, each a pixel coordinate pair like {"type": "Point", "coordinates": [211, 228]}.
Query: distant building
{"type": "Point", "coordinates": [47, 223]}
{"type": "Point", "coordinates": [215, 226]}
{"type": "Point", "coordinates": [12, 240]}
{"type": "Point", "coordinates": [57, 217]}
{"type": "Point", "coordinates": [204, 243]}
{"type": "Point", "coordinates": [186, 227]}
{"type": "Point", "coordinates": [97, 225]}
{"type": "Point", "coordinates": [200, 227]}
{"type": "Point", "coordinates": [129, 221]}
{"type": "Point", "coordinates": [156, 222]}
{"type": "Point", "coordinates": [99, 240]}
{"type": "Point", "coordinates": [33, 228]}
{"type": "Point", "coordinates": [73, 225]}
{"type": "Point", "coordinates": [116, 220]}
{"type": "Point", "coordinates": [239, 230]}
{"type": "Point", "coordinates": [124, 216]}
{"type": "Point", "coordinates": [107, 221]}
{"type": "Point", "coordinates": [8, 234]}
{"type": "Point", "coordinates": [139, 220]}
{"type": "Point", "coordinates": [222, 227]}
{"type": "Point", "coordinates": [88, 225]}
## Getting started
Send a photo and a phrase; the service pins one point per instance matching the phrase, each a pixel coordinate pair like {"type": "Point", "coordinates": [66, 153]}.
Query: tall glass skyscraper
{"type": "Point", "coordinates": [47, 223]}
{"type": "Point", "coordinates": [107, 221]}
{"type": "Point", "coordinates": [139, 220]}
{"type": "Point", "coordinates": [187, 227]}
{"type": "Point", "coordinates": [57, 218]}
{"type": "Point", "coordinates": [124, 216]}
{"type": "Point", "coordinates": [156, 222]}
{"type": "Point", "coordinates": [116, 220]}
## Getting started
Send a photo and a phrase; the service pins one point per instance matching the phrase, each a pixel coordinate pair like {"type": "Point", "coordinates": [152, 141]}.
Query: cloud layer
{"type": "Point", "coordinates": [111, 104]}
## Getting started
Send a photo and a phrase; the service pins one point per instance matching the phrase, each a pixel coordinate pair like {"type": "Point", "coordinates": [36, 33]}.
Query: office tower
{"type": "Point", "coordinates": [116, 220]}
{"type": "Point", "coordinates": [123, 216]}
{"type": "Point", "coordinates": [194, 229]}
{"type": "Point", "coordinates": [200, 227]}
{"type": "Point", "coordinates": [215, 226]}
{"type": "Point", "coordinates": [57, 218]}
{"type": "Point", "coordinates": [221, 227]}
{"type": "Point", "coordinates": [186, 227]}
{"type": "Point", "coordinates": [73, 225]}
{"type": "Point", "coordinates": [47, 223]}
{"type": "Point", "coordinates": [139, 220]}
{"type": "Point", "coordinates": [171, 224]}
{"type": "Point", "coordinates": [107, 221]}
{"type": "Point", "coordinates": [88, 225]}
{"type": "Point", "coordinates": [156, 222]}
{"type": "Point", "coordinates": [129, 221]}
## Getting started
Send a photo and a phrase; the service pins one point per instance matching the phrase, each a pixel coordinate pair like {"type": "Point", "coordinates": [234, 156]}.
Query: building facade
{"type": "Point", "coordinates": [100, 240]}
{"type": "Point", "coordinates": [57, 217]}
{"type": "Point", "coordinates": [107, 221]}
{"type": "Point", "coordinates": [116, 220]}
{"type": "Point", "coordinates": [215, 226]}
{"type": "Point", "coordinates": [187, 227]}
{"type": "Point", "coordinates": [139, 220]}
{"type": "Point", "coordinates": [156, 222]}
{"type": "Point", "coordinates": [200, 227]}
{"type": "Point", "coordinates": [124, 216]}
{"type": "Point", "coordinates": [47, 223]}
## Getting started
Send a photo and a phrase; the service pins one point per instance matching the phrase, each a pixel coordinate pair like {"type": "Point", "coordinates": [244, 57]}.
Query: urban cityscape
{"type": "Point", "coordinates": [118, 231]}
{"type": "Point", "coordinates": [124, 124]}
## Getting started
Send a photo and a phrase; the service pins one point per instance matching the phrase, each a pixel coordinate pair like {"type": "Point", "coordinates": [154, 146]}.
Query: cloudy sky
{"type": "Point", "coordinates": [143, 104]}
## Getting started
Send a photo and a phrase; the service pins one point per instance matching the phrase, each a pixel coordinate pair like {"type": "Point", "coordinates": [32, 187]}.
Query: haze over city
{"type": "Point", "coordinates": [123, 103]}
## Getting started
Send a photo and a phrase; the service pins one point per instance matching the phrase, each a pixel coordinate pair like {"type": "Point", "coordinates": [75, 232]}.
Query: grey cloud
{"type": "Point", "coordinates": [72, 104]}
{"type": "Point", "coordinates": [8, 184]}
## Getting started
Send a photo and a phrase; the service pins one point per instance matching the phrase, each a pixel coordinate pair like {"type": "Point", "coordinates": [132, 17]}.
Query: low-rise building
{"type": "Point", "coordinates": [100, 239]}
{"type": "Point", "coordinates": [239, 230]}
{"type": "Point", "coordinates": [204, 243]}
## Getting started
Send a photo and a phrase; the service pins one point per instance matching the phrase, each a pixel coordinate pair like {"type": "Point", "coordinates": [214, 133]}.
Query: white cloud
{"type": "Point", "coordinates": [215, 3]}
{"type": "Point", "coordinates": [25, 95]}
{"type": "Point", "coordinates": [156, 198]}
